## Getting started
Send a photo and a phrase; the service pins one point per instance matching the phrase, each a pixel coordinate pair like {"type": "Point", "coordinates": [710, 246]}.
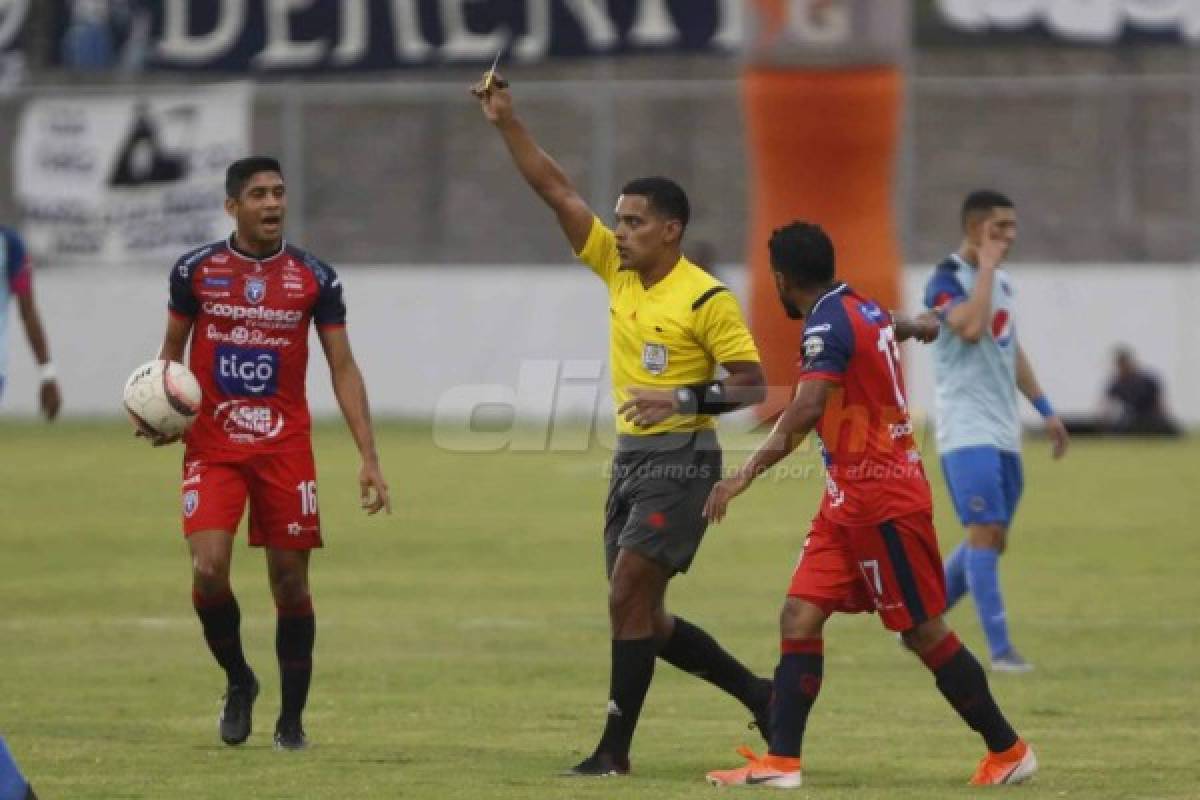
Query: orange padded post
{"type": "Point", "coordinates": [823, 146]}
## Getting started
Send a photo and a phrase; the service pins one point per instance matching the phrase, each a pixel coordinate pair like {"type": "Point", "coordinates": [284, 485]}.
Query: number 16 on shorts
{"type": "Point", "coordinates": [308, 498]}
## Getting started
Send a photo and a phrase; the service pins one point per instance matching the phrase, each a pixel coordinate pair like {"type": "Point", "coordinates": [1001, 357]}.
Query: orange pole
{"type": "Point", "coordinates": [822, 147]}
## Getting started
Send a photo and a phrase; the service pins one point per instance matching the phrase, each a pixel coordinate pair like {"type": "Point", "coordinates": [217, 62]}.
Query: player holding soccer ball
{"type": "Point", "coordinates": [872, 546]}
{"type": "Point", "coordinates": [246, 303]}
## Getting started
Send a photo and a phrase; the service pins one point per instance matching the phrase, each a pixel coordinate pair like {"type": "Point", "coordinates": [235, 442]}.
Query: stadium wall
{"type": "Point", "coordinates": [452, 341]}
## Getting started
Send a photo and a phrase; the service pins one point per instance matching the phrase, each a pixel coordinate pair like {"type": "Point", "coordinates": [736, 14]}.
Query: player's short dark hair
{"type": "Point", "coordinates": [804, 253]}
{"type": "Point", "coordinates": [983, 200]}
{"type": "Point", "coordinates": [664, 195]}
{"type": "Point", "coordinates": [244, 169]}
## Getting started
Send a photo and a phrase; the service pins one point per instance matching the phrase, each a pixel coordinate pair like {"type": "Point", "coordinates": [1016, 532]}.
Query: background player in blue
{"type": "Point", "coordinates": [13, 785]}
{"type": "Point", "coordinates": [979, 366]}
{"type": "Point", "coordinates": [16, 281]}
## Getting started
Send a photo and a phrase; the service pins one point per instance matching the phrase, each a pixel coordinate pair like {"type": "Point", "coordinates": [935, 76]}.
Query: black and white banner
{"type": "Point", "coordinates": [128, 178]}
{"type": "Point", "coordinates": [1083, 21]}
{"type": "Point", "coordinates": [324, 35]}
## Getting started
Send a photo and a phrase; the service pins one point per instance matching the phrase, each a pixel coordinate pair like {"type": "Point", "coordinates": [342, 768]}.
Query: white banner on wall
{"type": "Point", "coordinates": [132, 178]}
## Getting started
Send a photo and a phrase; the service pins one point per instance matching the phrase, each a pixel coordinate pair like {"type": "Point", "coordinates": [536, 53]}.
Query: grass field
{"type": "Point", "coordinates": [462, 645]}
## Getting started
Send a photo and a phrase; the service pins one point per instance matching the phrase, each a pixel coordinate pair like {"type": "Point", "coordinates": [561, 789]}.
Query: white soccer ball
{"type": "Point", "coordinates": [162, 398]}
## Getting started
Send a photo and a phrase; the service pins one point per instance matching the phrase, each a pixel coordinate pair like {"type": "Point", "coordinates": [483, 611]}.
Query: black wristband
{"type": "Point", "coordinates": [705, 398]}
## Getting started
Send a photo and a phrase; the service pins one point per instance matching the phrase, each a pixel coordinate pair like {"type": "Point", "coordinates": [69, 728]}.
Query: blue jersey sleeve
{"type": "Point", "coordinates": [944, 291]}
{"type": "Point", "coordinates": [16, 263]}
{"type": "Point", "coordinates": [828, 343]}
{"type": "Point", "coordinates": [330, 308]}
{"type": "Point", "coordinates": [183, 297]}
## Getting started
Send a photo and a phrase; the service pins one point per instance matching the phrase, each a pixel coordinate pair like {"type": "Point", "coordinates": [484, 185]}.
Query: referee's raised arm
{"type": "Point", "coordinates": [540, 171]}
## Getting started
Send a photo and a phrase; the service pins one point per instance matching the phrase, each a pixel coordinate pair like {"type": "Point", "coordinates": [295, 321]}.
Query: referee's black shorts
{"type": "Point", "coordinates": [656, 496]}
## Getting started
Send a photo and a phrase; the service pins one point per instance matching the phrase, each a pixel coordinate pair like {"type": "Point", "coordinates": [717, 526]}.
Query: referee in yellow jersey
{"type": "Point", "coordinates": [671, 324]}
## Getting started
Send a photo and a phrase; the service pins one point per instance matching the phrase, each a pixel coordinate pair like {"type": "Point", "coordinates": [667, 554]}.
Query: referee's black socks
{"type": "Point", "coordinates": [632, 670]}
{"type": "Point", "coordinates": [692, 650]}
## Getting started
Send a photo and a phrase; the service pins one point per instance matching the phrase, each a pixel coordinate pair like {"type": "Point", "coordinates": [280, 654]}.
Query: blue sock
{"type": "Point", "coordinates": [984, 582]}
{"type": "Point", "coordinates": [12, 785]}
{"type": "Point", "coordinates": [956, 576]}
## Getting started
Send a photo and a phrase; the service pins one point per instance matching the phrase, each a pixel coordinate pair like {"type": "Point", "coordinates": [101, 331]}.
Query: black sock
{"type": "Point", "coordinates": [963, 683]}
{"type": "Point", "coordinates": [632, 669]}
{"type": "Point", "coordinates": [692, 650]}
{"type": "Point", "coordinates": [222, 620]}
{"type": "Point", "coordinates": [295, 632]}
{"type": "Point", "coordinates": [797, 683]}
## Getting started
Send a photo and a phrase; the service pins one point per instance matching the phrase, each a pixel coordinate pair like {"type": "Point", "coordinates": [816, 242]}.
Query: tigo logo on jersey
{"type": "Point", "coordinates": [256, 290]}
{"type": "Point", "coordinates": [246, 371]}
{"type": "Point", "coordinates": [1002, 328]}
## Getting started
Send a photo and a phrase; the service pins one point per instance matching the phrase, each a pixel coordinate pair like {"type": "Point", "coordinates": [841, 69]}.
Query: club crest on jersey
{"type": "Point", "coordinates": [654, 358]}
{"type": "Point", "coordinates": [813, 347]}
{"type": "Point", "coordinates": [256, 290]}
{"type": "Point", "coordinates": [191, 501]}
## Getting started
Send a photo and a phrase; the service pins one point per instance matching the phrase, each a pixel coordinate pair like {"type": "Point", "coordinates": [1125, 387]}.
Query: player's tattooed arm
{"type": "Point", "coordinates": [923, 327]}
{"type": "Point", "coordinates": [800, 417]}
{"type": "Point", "coordinates": [540, 171]}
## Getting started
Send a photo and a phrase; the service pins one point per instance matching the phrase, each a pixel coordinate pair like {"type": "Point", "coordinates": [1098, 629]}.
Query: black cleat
{"type": "Point", "coordinates": [762, 709]}
{"type": "Point", "coordinates": [234, 723]}
{"type": "Point", "coordinates": [289, 734]}
{"type": "Point", "coordinates": [599, 765]}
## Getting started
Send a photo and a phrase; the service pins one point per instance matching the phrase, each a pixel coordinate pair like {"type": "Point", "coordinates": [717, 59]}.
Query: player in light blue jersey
{"type": "Point", "coordinates": [979, 368]}
{"type": "Point", "coordinates": [16, 281]}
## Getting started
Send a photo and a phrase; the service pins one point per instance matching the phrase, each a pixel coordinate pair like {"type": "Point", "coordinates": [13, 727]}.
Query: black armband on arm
{"type": "Point", "coordinates": [705, 398]}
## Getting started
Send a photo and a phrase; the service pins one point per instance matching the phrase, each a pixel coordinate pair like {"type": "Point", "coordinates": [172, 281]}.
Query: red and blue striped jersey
{"type": "Point", "coordinates": [873, 468]}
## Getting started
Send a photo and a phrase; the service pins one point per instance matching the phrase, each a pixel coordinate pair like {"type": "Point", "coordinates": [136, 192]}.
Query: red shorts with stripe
{"type": "Point", "coordinates": [893, 568]}
{"type": "Point", "coordinates": [281, 489]}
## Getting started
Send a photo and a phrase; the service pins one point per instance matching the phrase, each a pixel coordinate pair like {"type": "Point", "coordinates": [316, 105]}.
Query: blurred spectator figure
{"type": "Point", "coordinates": [1134, 399]}
{"type": "Point", "coordinates": [88, 41]}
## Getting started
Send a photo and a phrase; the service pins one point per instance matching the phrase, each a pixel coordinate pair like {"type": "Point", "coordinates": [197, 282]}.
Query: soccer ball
{"type": "Point", "coordinates": [162, 398]}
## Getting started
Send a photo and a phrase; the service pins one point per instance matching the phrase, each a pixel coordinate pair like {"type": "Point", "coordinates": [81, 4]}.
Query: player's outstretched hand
{"type": "Point", "coordinates": [1057, 432]}
{"type": "Point", "coordinates": [373, 489]}
{"type": "Point", "coordinates": [51, 399]}
{"type": "Point", "coordinates": [494, 97]}
{"type": "Point", "coordinates": [924, 327]}
{"type": "Point", "coordinates": [649, 406]}
{"type": "Point", "coordinates": [156, 439]}
{"type": "Point", "coordinates": [722, 494]}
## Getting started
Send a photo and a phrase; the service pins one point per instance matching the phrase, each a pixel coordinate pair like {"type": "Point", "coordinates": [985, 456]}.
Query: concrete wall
{"type": "Point", "coordinates": [447, 339]}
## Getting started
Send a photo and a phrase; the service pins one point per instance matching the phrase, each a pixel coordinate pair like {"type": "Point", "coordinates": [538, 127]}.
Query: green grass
{"type": "Point", "coordinates": [462, 642]}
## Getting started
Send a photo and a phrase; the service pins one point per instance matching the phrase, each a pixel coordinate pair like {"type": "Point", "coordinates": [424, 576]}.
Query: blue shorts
{"type": "Point", "coordinates": [985, 483]}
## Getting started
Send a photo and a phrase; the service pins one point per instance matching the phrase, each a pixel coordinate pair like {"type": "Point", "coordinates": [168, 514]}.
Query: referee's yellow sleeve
{"type": "Point", "coordinates": [600, 251]}
{"type": "Point", "coordinates": [722, 331]}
